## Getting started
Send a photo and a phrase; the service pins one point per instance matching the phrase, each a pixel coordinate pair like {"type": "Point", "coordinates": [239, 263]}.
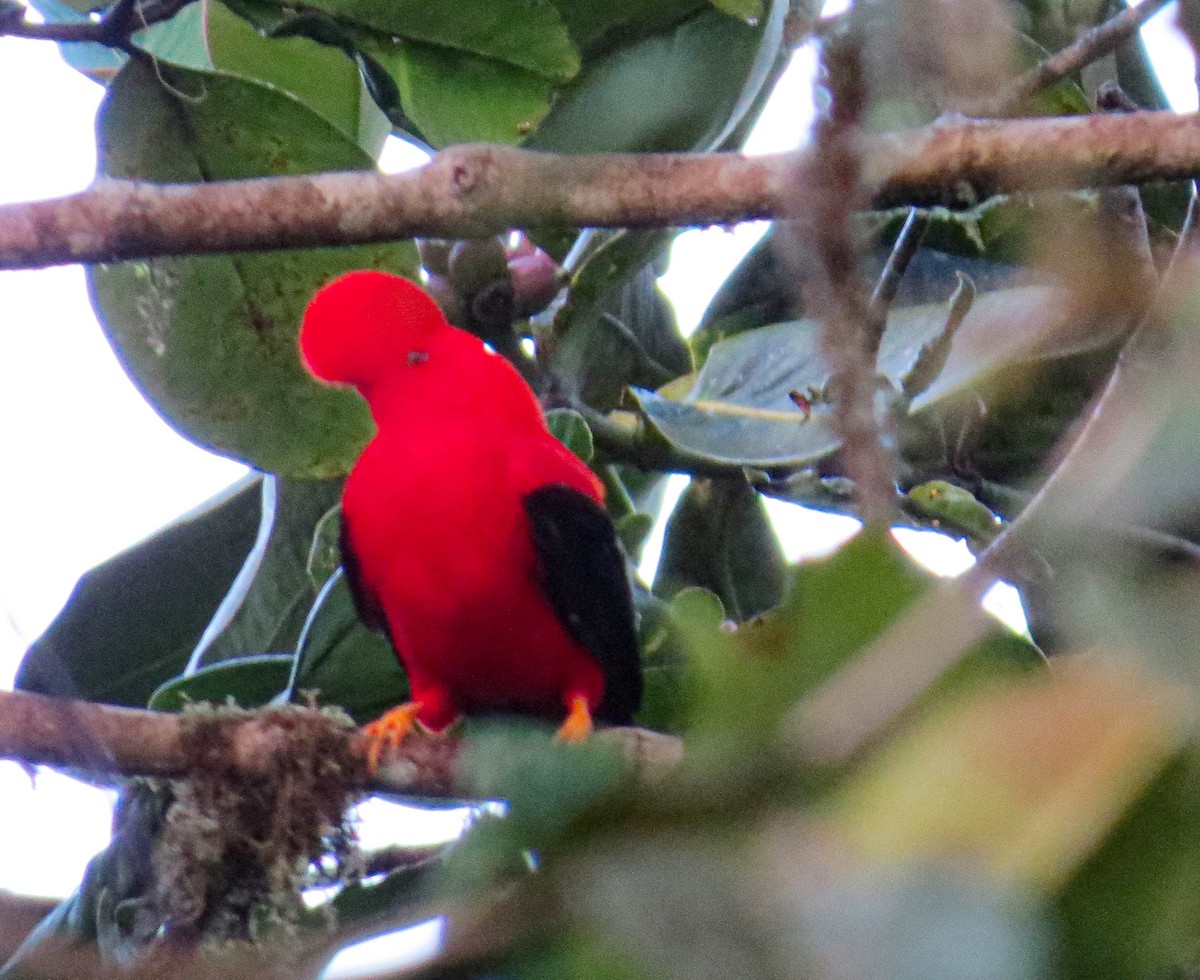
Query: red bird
{"type": "Point", "coordinates": [470, 535]}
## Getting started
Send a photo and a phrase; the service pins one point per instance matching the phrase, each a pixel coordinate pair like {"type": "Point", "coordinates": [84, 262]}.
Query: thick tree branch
{"type": "Point", "coordinates": [477, 190]}
{"type": "Point", "coordinates": [108, 740]}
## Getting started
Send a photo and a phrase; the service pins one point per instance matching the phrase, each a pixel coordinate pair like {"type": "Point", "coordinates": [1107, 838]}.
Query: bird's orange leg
{"type": "Point", "coordinates": [389, 730]}
{"type": "Point", "coordinates": [578, 725]}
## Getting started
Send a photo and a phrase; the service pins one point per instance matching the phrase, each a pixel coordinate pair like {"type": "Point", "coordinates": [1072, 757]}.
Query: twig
{"type": "Point", "coordinates": [907, 242]}
{"type": "Point", "coordinates": [114, 30]}
{"type": "Point", "coordinates": [1089, 47]}
{"type": "Point", "coordinates": [109, 740]}
{"type": "Point", "coordinates": [477, 190]}
{"type": "Point", "coordinates": [635, 444]}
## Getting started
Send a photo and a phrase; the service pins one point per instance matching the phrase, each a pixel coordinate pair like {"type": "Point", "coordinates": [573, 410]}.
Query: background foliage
{"type": "Point", "coordinates": [1016, 820]}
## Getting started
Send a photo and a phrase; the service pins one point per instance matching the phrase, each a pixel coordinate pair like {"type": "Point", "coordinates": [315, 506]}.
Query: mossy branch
{"type": "Point", "coordinates": [108, 740]}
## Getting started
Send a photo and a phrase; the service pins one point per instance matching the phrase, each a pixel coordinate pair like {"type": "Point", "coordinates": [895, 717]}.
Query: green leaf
{"type": "Point", "coordinates": [570, 428]}
{"type": "Point", "coordinates": [740, 411]}
{"type": "Point", "coordinates": [323, 78]}
{"type": "Point", "coordinates": [632, 531]}
{"type": "Point", "coordinates": [607, 109]}
{"type": "Point", "coordinates": [668, 681]}
{"type": "Point", "coordinates": [325, 555]}
{"type": "Point", "coordinates": [749, 679]}
{"type": "Point", "coordinates": [250, 681]}
{"type": "Point", "coordinates": [211, 342]}
{"type": "Point", "coordinates": [617, 329]}
{"type": "Point", "coordinates": [399, 888]}
{"type": "Point", "coordinates": [455, 97]}
{"type": "Point", "coordinates": [1019, 778]}
{"type": "Point", "coordinates": [1132, 910]}
{"type": "Point", "coordinates": [597, 27]}
{"type": "Point", "coordinates": [527, 34]}
{"type": "Point", "coordinates": [131, 622]}
{"type": "Point", "coordinates": [1056, 23]}
{"type": "Point", "coordinates": [344, 663]}
{"type": "Point", "coordinates": [1031, 362]}
{"type": "Point", "coordinates": [550, 786]}
{"type": "Point", "coordinates": [269, 602]}
{"type": "Point", "coordinates": [720, 538]}
{"type": "Point", "coordinates": [946, 506]}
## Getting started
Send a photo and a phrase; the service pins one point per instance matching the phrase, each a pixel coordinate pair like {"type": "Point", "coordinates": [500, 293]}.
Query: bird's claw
{"type": "Point", "coordinates": [578, 725]}
{"type": "Point", "coordinates": [388, 731]}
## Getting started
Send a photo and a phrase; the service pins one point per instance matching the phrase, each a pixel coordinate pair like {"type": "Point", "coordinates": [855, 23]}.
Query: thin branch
{"type": "Point", "coordinates": [916, 223]}
{"type": "Point", "coordinates": [1088, 47]}
{"type": "Point", "coordinates": [835, 290]}
{"type": "Point", "coordinates": [114, 30]}
{"type": "Point", "coordinates": [477, 190]}
{"type": "Point", "coordinates": [109, 740]}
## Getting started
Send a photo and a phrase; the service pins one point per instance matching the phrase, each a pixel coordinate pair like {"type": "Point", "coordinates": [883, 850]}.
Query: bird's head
{"type": "Point", "coordinates": [363, 326]}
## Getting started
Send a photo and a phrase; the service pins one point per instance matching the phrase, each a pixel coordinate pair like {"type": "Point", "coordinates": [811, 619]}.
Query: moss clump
{"type": "Point", "coordinates": [237, 841]}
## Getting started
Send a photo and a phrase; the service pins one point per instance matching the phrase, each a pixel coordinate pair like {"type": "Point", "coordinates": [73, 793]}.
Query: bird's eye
{"type": "Point", "coordinates": [417, 357]}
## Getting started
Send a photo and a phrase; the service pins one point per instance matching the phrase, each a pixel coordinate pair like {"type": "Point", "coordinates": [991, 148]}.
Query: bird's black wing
{"type": "Point", "coordinates": [366, 602]}
{"type": "Point", "coordinates": [583, 575]}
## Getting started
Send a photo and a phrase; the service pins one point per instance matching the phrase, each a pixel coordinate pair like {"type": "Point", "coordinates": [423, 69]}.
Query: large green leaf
{"type": "Point", "coordinates": [668, 684]}
{"type": "Point", "coordinates": [250, 682]}
{"type": "Point", "coordinates": [749, 679]}
{"type": "Point", "coordinates": [740, 410]}
{"type": "Point", "coordinates": [527, 34]}
{"type": "Point", "coordinates": [456, 97]}
{"type": "Point", "coordinates": [622, 333]}
{"type": "Point", "coordinates": [269, 602]}
{"type": "Point", "coordinates": [1020, 779]}
{"type": "Point", "coordinates": [704, 74]}
{"type": "Point", "coordinates": [746, 681]}
{"type": "Point", "coordinates": [321, 77]}
{"type": "Point", "coordinates": [344, 663]}
{"type": "Point", "coordinates": [571, 429]}
{"type": "Point", "coordinates": [720, 538]}
{"type": "Point", "coordinates": [131, 623]}
{"type": "Point", "coordinates": [211, 341]}
{"type": "Point", "coordinates": [596, 27]}
{"type": "Point", "coordinates": [1133, 911]}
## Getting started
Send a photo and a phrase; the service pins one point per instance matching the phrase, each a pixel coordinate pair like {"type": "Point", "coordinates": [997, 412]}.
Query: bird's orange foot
{"type": "Point", "coordinates": [388, 731]}
{"type": "Point", "coordinates": [578, 725]}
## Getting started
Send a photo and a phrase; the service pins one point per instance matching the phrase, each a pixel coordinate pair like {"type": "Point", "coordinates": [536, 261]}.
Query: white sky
{"type": "Point", "coordinates": [91, 469]}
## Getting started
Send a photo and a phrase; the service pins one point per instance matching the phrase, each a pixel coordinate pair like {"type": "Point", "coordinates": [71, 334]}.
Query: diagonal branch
{"type": "Point", "coordinates": [1090, 46]}
{"type": "Point", "coordinates": [478, 190]}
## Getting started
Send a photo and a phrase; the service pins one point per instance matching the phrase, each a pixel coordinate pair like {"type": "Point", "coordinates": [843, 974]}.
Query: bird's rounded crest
{"type": "Point", "coordinates": [363, 324]}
